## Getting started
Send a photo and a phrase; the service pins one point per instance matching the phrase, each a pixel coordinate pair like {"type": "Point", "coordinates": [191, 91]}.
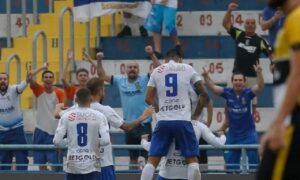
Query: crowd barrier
{"type": "Point", "coordinates": [243, 170]}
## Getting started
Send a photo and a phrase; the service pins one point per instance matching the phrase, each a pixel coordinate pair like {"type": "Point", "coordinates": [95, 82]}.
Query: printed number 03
{"type": "Point", "coordinates": [171, 82]}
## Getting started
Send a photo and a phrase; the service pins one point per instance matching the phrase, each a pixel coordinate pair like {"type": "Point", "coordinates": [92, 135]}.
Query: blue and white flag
{"type": "Point", "coordinates": [84, 10]}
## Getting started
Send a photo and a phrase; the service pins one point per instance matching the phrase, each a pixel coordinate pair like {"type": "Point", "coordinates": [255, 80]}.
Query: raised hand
{"type": "Point", "coordinates": [70, 55]}
{"type": "Point", "coordinates": [232, 6]}
{"type": "Point", "coordinates": [257, 67]}
{"type": "Point", "coordinates": [29, 75]}
{"type": "Point", "coordinates": [100, 56]}
{"type": "Point", "coordinates": [85, 55]}
{"type": "Point", "coordinates": [45, 66]}
{"type": "Point", "coordinates": [204, 72]}
{"type": "Point", "coordinates": [149, 49]}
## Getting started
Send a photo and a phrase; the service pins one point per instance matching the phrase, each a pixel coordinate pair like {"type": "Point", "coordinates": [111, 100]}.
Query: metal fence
{"type": "Point", "coordinates": [244, 166]}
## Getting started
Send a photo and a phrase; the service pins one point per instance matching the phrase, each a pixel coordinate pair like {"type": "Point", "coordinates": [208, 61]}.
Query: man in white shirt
{"type": "Point", "coordinates": [170, 83]}
{"type": "Point", "coordinates": [11, 121]}
{"type": "Point", "coordinates": [83, 127]}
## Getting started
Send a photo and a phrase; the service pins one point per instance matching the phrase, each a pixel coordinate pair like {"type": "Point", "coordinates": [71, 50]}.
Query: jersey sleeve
{"type": "Point", "coordinates": [267, 14]}
{"type": "Point", "coordinates": [115, 79]}
{"type": "Point", "coordinates": [21, 86]}
{"type": "Point", "coordinates": [234, 32]}
{"type": "Point", "coordinates": [114, 119]}
{"type": "Point", "coordinates": [103, 130]}
{"type": "Point", "coordinates": [151, 81]}
{"type": "Point", "coordinates": [225, 93]}
{"type": "Point", "coordinates": [250, 93]}
{"type": "Point", "coordinates": [37, 89]}
{"type": "Point", "coordinates": [70, 92]}
{"type": "Point", "coordinates": [60, 94]}
{"type": "Point", "coordinates": [265, 47]}
{"type": "Point", "coordinates": [60, 132]}
{"type": "Point", "coordinates": [195, 76]}
{"type": "Point", "coordinates": [210, 138]}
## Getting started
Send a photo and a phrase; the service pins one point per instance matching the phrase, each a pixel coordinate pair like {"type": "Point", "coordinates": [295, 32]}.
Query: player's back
{"type": "Point", "coordinates": [83, 131]}
{"type": "Point", "coordinates": [172, 81]}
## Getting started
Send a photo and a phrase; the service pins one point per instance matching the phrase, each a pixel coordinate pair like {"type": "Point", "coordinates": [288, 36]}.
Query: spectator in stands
{"type": "Point", "coordinates": [163, 12]}
{"type": "Point", "coordinates": [272, 20]}
{"type": "Point", "coordinates": [241, 127]}
{"type": "Point", "coordinates": [173, 165]}
{"type": "Point", "coordinates": [281, 141]}
{"type": "Point", "coordinates": [132, 88]}
{"type": "Point", "coordinates": [47, 97]}
{"type": "Point", "coordinates": [249, 46]}
{"type": "Point", "coordinates": [83, 139]}
{"type": "Point", "coordinates": [11, 121]}
{"type": "Point", "coordinates": [128, 20]}
{"type": "Point", "coordinates": [82, 76]}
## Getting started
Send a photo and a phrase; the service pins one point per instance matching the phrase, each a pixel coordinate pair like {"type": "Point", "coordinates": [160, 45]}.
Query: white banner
{"type": "Point", "coordinates": [219, 69]}
{"type": "Point", "coordinates": [201, 23]}
{"type": "Point", "coordinates": [16, 24]}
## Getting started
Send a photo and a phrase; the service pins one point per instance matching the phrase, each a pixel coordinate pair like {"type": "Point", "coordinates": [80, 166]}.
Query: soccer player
{"type": "Point", "coordinates": [170, 83]}
{"type": "Point", "coordinates": [173, 165]}
{"type": "Point", "coordinates": [194, 96]}
{"type": "Point", "coordinates": [96, 86]}
{"type": "Point", "coordinates": [281, 141]}
{"type": "Point", "coordinates": [83, 126]}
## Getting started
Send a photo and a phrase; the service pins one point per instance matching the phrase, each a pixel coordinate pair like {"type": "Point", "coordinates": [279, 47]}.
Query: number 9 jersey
{"type": "Point", "coordinates": [172, 82]}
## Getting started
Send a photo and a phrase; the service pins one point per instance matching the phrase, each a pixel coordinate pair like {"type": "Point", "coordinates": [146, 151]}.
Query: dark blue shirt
{"type": "Point", "coordinates": [241, 123]}
{"type": "Point", "coordinates": [268, 13]}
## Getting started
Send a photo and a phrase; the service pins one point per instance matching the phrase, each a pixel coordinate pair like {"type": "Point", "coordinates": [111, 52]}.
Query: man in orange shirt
{"type": "Point", "coordinates": [47, 97]}
{"type": "Point", "coordinates": [82, 75]}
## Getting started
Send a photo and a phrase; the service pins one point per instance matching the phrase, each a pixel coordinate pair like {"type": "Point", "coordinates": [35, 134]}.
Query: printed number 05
{"type": "Point", "coordinates": [82, 134]}
{"type": "Point", "coordinates": [171, 82]}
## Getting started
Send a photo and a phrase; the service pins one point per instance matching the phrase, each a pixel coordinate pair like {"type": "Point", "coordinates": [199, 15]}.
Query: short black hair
{"type": "Point", "coordinates": [47, 71]}
{"type": "Point", "coordinates": [83, 95]}
{"type": "Point", "coordinates": [81, 70]}
{"type": "Point", "coordinates": [94, 85]}
{"type": "Point", "coordinates": [238, 73]}
{"type": "Point", "coordinates": [172, 54]}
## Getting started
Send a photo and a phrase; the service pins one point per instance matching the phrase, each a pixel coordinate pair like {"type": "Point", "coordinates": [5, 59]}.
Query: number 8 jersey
{"type": "Point", "coordinates": [86, 130]}
{"type": "Point", "coordinates": [172, 82]}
